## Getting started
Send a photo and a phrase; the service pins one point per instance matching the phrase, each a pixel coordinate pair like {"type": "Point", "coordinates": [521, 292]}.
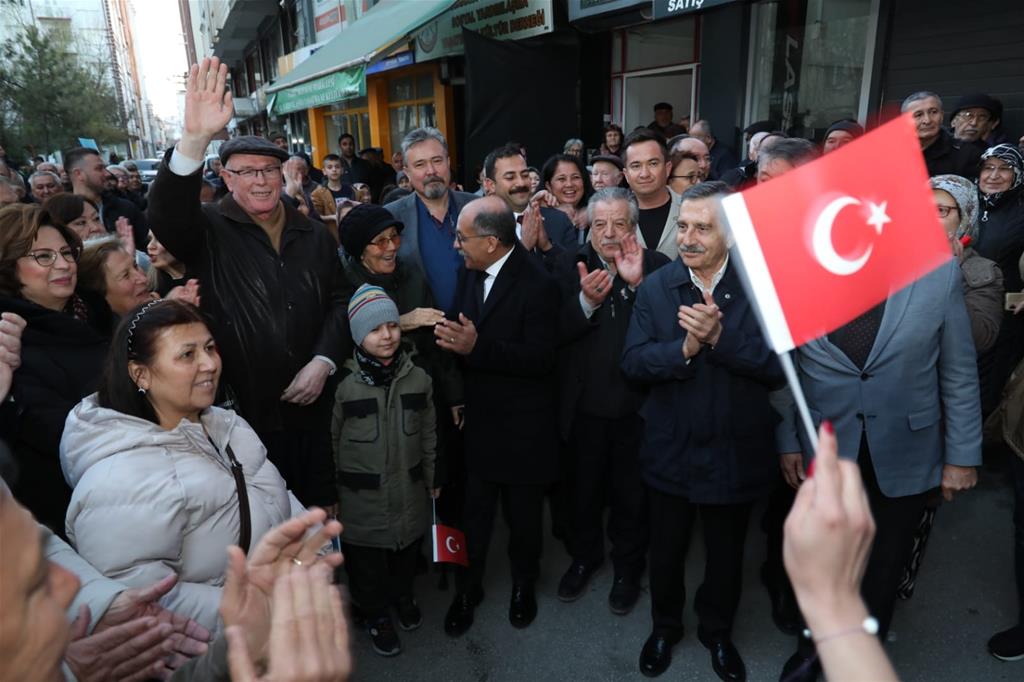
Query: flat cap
{"type": "Point", "coordinates": [662, 106]}
{"type": "Point", "coordinates": [610, 158]}
{"type": "Point", "coordinates": [846, 125]}
{"type": "Point", "coordinates": [760, 127]}
{"type": "Point", "coordinates": [251, 144]}
{"type": "Point", "coordinates": [980, 101]}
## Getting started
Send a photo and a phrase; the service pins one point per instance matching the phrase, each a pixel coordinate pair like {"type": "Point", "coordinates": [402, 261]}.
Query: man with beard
{"type": "Point", "coordinates": [430, 213]}
{"type": "Point", "coordinates": [89, 176]}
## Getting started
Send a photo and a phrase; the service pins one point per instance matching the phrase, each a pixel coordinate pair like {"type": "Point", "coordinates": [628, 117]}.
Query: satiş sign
{"type": "Point", "coordinates": [673, 8]}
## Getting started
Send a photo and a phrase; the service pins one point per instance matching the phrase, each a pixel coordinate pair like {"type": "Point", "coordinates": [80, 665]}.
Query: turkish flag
{"type": "Point", "coordinates": [449, 545]}
{"type": "Point", "coordinates": [830, 240]}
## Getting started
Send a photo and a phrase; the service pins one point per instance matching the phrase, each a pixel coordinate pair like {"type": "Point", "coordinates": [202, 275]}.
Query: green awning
{"type": "Point", "coordinates": [334, 87]}
{"type": "Point", "coordinates": [338, 65]}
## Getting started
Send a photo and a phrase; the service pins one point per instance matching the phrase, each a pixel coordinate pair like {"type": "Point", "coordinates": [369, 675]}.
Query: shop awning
{"type": "Point", "coordinates": [337, 70]}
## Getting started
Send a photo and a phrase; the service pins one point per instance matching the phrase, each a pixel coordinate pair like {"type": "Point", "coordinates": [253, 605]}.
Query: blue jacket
{"type": "Point", "coordinates": [709, 429]}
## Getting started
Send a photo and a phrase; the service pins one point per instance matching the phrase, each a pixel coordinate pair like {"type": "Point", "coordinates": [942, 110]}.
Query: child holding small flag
{"type": "Point", "coordinates": [383, 432]}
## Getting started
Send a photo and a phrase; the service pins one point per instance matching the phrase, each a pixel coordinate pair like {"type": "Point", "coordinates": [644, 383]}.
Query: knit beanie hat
{"type": "Point", "coordinates": [362, 224]}
{"type": "Point", "coordinates": [369, 308]}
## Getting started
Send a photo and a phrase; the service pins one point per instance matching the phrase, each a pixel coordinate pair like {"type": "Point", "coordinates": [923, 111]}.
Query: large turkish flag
{"type": "Point", "coordinates": [829, 240]}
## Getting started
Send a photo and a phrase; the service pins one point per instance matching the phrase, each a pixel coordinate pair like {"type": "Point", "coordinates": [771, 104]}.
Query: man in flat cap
{"type": "Point", "coordinates": [976, 119]}
{"type": "Point", "coordinates": [271, 284]}
{"type": "Point", "coordinates": [841, 133]}
{"type": "Point", "coordinates": [663, 121]}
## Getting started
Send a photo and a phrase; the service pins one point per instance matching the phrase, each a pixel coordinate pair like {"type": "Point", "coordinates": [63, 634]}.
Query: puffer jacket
{"type": "Point", "coordinates": [384, 448]}
{"type": "Point", "coordinates": [148, 501]}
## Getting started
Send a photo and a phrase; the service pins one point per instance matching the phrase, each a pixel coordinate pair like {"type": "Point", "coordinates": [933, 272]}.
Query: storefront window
{"type": "Point", "coordinates": [658, 67]}
{"type": "Point", "coordinates": [410, 104]}
{"type": "Point", "coordinates": [353, 119]}
{"type": "Point", "coordinates": [662, 43]}
{"type": "Point", "coordinates": [808, 63]}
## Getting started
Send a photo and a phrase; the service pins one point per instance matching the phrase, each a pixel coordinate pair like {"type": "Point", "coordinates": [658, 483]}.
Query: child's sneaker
{"type": "Point", "coordinates": [409, 616]}
{"type": "Point", "coordinates": [384, 638]}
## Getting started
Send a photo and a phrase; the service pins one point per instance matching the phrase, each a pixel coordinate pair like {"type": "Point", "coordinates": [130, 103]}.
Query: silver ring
{"type": "Point", "coordinates": [600, 289]}
{"type": "Point", "coordinates": [297, 562]}
{"type": "Point", "coordinates": [451, 339]}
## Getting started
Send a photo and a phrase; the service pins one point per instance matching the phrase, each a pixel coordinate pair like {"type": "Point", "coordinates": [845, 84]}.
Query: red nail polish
{"type": "Point", "coordinates": [810, 469]}
{"type": "Point", "coordinates": [829, 429]}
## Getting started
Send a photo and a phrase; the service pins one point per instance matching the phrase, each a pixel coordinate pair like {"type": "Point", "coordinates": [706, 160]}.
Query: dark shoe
{"type": "Point", "coordinates": [575, 580]}
{"type": "Point", "coordinates": [409, 616]}
{"type": "Point", "coordinates": [656, 656]}
{"type": "Point", "coordinates": [801, 668]}
{"type": "Point", "coordinates": [725, 660]}
{"type": "Point", "coordinates": [622, 598]}
{"type": "Point", "coordinates": [1008, 645]}
{"type": "Point", "coordinates": [785, 611]}
{"type": "Point", "coordinates": [384, 638]}
{"type": "Point", "coordinates": [460, 614]}
{"type": "Point", "coordinates": [522, 608]}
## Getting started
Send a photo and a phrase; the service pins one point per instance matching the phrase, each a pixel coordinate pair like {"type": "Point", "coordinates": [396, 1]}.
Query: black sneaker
{"type": "Point", "coordinates": [622, 598]}
{"type": "Point", "coordinates": [575, 580]}
{"type": "Point", "coordinates": [1008, 645]}
{"type": "Point", "coordinates": [409, 616]}
{"type": "Point", "coordinates": [384, 638]}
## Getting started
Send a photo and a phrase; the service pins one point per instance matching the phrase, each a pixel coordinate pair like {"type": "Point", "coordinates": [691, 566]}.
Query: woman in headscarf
{"type": "Point", "coordinates": [1001, 238]}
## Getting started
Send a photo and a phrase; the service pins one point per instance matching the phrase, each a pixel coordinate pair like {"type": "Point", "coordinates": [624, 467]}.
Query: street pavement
{"type": "Point", "coordinates": [964, 594]}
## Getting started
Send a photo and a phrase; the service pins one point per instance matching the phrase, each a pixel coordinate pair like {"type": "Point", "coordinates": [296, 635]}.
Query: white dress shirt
{"type": "Point", "coordinates": [491, 273]}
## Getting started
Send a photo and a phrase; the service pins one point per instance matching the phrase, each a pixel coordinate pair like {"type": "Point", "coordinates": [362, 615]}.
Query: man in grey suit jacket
{"type": "Point", "coordinates": [430, 213]}
{"type": "Point", "coordinates": [900, 386]}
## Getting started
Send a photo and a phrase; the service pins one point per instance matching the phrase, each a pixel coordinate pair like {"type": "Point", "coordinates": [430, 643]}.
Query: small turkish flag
{"type": "Point", "coordinates": [449, 545]}
{"type": "Point", "coordinates": [830, 240]}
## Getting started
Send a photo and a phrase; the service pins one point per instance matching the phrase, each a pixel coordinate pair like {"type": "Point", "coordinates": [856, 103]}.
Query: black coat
{"type": "Point", "coordinates": [61, 362]}
{"type": "Point", "coordinates": [115, 206]}
{"type": "Point", "coordinates": [511, 432]}
{"type": "Point", "coordinates": [709, 430]}
{"type": "Point", "coordinates": [723, 159]}
{"type": "Point", "coordinates": [272, 312]}
{"type": "Point", "coordinates": [590, 349]}
{"type": "Point", "coordinates": [951, 156]}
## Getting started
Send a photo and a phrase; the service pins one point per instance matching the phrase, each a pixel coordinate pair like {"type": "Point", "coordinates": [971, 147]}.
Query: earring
{"type": "Point", "coordinates": [142, 390]}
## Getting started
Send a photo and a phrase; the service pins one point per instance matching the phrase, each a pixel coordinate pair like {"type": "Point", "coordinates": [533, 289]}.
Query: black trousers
{"type": "Point", "coordinates": [725, 532]}
{"type": "Point", "coordinates": [306, 462]}
{"type": "Point", "coordinates": [780, 501]}
{"type": "Point", "coordinates": [523, 507]}
{"type": "Point", "coordinates": [377, 577]}
{"type": "Point", "coordinates": [604, 470]}
{"type": "Point", "coordinates": [1017, 476]}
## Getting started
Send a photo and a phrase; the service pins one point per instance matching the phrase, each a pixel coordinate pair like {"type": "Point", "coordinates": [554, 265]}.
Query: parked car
{"type": "Point", "coordinates": [147, 168]}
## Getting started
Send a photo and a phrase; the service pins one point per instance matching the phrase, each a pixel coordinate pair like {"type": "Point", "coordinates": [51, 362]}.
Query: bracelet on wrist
{"type": "Point", "coordinates": [868, 626]}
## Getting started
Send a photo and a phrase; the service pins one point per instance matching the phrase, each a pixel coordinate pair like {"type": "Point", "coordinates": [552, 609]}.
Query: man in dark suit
{"type": "Point", "coordinates": [508, 177]}
{"type": "Point", "coordinates": [708, 440]}
{"type": "Point", "coordinates": [598, 408]}
{"type": "Point", "coordinates": [430, 213]}
{"type": "Point", "coordinates": [504, 326]}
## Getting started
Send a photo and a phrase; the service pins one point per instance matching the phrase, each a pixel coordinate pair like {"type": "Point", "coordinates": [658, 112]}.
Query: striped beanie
{"type": "Point", "coordinates": [369, 308]}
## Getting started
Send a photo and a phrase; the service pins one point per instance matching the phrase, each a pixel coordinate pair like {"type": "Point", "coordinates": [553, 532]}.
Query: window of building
{"type": "Point", "coordinates": [252, 72]}
{"type": "Point", "coordinates": [410, 104]}
{"type": "Point", "coordinates": [352, 118]}
{"type": "Point", "coordinates": [808, 63]}
{"type": "Point", "coordinates": [238, 83]}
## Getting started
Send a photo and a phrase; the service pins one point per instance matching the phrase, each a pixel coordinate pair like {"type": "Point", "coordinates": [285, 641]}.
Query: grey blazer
{"type": "Point", "coordinates": [917, 397]}
{"type": "Point", "coordinates": [667, 241]}
{"type": "Point", "coordinates": [405, 210]}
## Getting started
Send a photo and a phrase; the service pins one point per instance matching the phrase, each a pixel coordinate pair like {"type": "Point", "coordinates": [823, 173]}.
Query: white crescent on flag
{"type": "Point", "coordinates": [821, 240]}
{"type": "Point", "coordinates": [448, 542]}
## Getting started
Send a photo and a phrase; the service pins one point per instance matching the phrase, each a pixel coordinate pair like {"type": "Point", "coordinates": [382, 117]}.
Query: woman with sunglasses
{"type": "Point", "coordinates": [63, 347]}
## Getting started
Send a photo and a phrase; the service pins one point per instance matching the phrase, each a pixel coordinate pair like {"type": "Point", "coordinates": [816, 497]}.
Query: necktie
{"type": "Point", "coordinates": [480, 289]}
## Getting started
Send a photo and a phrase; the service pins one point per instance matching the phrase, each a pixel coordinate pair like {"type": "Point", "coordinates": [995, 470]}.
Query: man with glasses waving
{"type": "Point", "coordinates": [271, 280]}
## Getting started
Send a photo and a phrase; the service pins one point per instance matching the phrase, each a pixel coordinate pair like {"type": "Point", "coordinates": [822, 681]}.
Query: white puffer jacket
{"type": "Point", "coordinates": [148, 502]}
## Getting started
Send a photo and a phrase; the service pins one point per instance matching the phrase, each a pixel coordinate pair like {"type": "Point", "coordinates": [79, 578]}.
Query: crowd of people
{"type": "Point", "coordinates": [191, 365]}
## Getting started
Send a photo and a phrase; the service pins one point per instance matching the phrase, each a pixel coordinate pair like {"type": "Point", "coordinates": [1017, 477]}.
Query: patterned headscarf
{"type": "Point", "coordinates": [1012, 156]}
{"type": "Point", "coordinates": [965, 195]}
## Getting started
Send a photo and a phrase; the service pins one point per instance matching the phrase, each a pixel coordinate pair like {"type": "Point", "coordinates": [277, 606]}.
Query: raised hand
{"type": "Point", "coordinates": [531, 227]}
{"type": "Point", "coordinates": [702, 320]}
{"type": "Point", "coordinates": [133, 651]}
{"type": "Point", "coordinates": [188, 292]}
{"type": "Point", "coordinates": [458, 337]}
{"type": "Point", "coordinates": [208, 106]}
{"type": "Point", "coordinates": [420, 317]}
{"type": "Point", "coordinates": [629, 261]}
{"type": "Point", "coordinates": [126, 234]}
{"type": "Point", "coordinates": [595, 285]}
{"type": "Point", "coordinates": [11, 327]}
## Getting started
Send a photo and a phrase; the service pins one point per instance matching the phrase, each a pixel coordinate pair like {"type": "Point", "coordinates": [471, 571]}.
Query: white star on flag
{"type": "Point", "coordinates": [878, 218]}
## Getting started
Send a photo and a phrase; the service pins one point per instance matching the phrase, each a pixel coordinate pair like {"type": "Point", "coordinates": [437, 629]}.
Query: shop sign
{"type": "Point", "coordinates": [666, 9]}
{"type": "Point", "coordinates": [393, 62]}
{"type": "Point", "coordinates": [498, 19]}
{"type": "Point", "coordinates": [582, 9]}
{"type": "Point", "coordinates": [334, 87]}
{"type": "Point", "coordinates": [328, 18]}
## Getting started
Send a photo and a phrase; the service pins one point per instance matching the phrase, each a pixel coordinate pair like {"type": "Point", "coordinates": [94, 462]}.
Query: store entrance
{"type": "Point", "coordinates": [642, 90]}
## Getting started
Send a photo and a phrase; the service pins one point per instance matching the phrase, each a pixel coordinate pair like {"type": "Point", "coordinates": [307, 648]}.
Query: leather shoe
{"type": "Point", "coordinates": [785, 611]}
{"type": "Point", "coordinates": [656, 656]}
{"type": "Point", "coordinates": [575, 580]}
{"type": "Point", "coordinates": [460, 614]}
{"type": "Point", "coordinates": [522, 608]}
{"type": "Point", "coordinates": [801, 667]}
{"type": "Point", "coordinates": [622, 598]}
{"type": "Point", "coordinates": [725, 659]}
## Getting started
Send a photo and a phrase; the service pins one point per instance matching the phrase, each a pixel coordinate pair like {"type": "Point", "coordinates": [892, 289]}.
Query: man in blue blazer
{"type": "Point", "coordinates": [900, 385]}
{"type": "Point", "coordinates": [430, 213]}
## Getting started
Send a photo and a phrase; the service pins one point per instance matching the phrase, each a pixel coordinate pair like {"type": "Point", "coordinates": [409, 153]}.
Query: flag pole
{"type": "Point", "coordinates": [433, 506]}
{"type": "Point", "coordinates": [786, 359]}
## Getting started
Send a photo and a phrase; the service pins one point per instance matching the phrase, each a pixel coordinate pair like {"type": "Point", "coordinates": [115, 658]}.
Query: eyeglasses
{"type": "Point", "coordinates": [980, 117]}
{"type": "Point", "coordinates": [47, 257]}
{"type": "Point", "coordinates": [460, 238]}
{"type": "Point", "coordinates": [270, 173]}
{"type": "Point", "coordinates": [945, 210]}
{"type": "Point", "coordinates": [383, 241]}
{"type": "Point", "coordinates": [991, 169]}
{"type": "Point", "coordinates": [691, 178]}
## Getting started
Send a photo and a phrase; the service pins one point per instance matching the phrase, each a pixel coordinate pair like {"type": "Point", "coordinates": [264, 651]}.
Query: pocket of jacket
{"type": "Point", "coordinates": [355, 480]}
{"type": "Point", "coordinates": [362, 421]}
{"type": "Point", "coordinates": [413, 405]}
{"type": "Point", "coordinates": [416, 472]}
{"type": "Point", "coordinates": [924, 418]}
